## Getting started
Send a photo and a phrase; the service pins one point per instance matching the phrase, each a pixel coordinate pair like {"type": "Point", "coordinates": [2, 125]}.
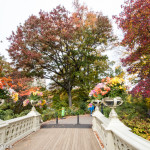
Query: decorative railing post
{"type": "Point", "coordinates": [3, 126]}
{"type": "Point", "coordinates": [36, 119]}
{"type": "Point", "coordinates": [96, 102]}
{"type": "Point", "coordinates": [113, 117]}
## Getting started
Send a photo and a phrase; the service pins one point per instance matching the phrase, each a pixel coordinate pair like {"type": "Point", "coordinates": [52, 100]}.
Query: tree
{"type": "Point", "coordinates": [5, 80]}
{"type": "Point", "coordinates": [58, 45]}
{"type": "Point", "coordinates": [5, 67]}
{"type": "Point", "coordinates": [134, 21]}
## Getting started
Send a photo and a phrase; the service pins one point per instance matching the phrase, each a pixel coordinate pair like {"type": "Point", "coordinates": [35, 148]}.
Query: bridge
{"type": "Point", "coordinates": [90, 133]}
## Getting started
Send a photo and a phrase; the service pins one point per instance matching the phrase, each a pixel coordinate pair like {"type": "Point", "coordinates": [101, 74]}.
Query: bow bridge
{"type": "Point", "coordinates": [87, 133]}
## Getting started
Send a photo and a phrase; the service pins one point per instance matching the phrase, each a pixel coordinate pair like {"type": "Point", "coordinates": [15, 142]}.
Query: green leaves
{"type": "Point", "coordinates": [4, 94]}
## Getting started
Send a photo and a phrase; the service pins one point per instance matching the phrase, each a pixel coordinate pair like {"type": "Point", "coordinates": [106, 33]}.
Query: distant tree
{"type": "Point", "coordinates": [5, 80]}
{"type": "Point", "coordinates": [134, 20]}
{"type": "Point", "coordinates": [5, 67]}
{"type": "Point", "coordinates": [58, 45]}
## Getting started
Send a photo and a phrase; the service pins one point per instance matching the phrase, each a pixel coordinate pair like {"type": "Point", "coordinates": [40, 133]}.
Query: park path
{"type": "Point", "coordinates": [67, 135]}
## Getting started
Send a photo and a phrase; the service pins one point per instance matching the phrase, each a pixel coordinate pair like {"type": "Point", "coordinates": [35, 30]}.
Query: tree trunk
{"type": "Point", "coordinates": [69, 98]}
{"type": "Point", "coordinates": [69, 95]}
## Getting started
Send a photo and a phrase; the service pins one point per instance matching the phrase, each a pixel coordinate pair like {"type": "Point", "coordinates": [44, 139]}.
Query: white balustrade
{"type": "Point", "coordinates": [15, 129]}
{"type": "Point", "coordinates": [114, 135]}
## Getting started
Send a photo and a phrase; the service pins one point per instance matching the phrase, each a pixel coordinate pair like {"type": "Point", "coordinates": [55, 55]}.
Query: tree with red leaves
{"type": "Point", "coordinates": [57, 44]}
{"type": "Point", "coordinates": [134, 20]}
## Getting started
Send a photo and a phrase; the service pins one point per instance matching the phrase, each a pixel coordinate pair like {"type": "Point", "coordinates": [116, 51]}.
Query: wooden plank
{"type": "Point", "coordinates": [61, 138]}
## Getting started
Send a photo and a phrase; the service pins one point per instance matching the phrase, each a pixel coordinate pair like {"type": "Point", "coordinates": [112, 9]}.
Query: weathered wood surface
{"type": "Point", "coordinates": [65, 136]}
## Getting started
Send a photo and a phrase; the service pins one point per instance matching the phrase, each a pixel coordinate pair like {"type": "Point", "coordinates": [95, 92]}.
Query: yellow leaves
{"type": "Point", "coordinates": [116, 80]}
{"type": "Point", "coordinates": [81, 39]}
{"type": "Point", "coordinates": [121, 75]}
{"type": "Point", "coordinates": [15, 96]}
{"type": "Point", "coordinates": [148, 102]}
{"type": "Point", "coordinates": [63, 96]}
{"type": "Point", "coordinates": [37, 93]}
{"type": "Point", "coordinates": [120, 87]}
{"type": "Point", "coordinates": [34, 93]}
{"type": "Point", "coordinates": [90, 19]}
{"type": "Point", "coordinates": [43, 102]}
{"type": "Point", "coordinates": [128, 98]}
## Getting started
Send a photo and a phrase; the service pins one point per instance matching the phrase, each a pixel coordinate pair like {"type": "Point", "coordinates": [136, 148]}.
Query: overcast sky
{"type": "Point", "coordinates": [14, 12]}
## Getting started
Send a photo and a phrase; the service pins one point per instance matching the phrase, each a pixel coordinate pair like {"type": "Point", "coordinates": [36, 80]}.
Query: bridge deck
{"type": "Point", "coordinates": [65, 136]}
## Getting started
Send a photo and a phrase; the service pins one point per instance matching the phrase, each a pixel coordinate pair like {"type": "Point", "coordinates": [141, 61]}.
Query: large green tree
{"type": "Point", "coordinates": [58, 45]}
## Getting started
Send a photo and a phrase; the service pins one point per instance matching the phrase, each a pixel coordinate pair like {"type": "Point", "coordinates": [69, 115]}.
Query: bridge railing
{"type": "Point", "coordinates": [15, 129]}
{"type": "Point", "coordinates": [114, 135]}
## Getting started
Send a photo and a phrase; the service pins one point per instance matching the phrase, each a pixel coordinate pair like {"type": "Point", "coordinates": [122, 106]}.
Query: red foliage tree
{"type": "Point", "coordinates": [134, 20]}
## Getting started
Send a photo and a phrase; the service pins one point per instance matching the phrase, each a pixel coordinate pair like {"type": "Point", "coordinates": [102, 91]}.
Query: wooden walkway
{"type": "Point", "coordinates": [65, 136]}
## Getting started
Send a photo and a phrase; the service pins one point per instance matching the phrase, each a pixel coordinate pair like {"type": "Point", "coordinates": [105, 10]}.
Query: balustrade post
{"type": "Point", "coordinates": [94, 115]}
{"type": "Point", "coordinates": [110, 141]}
{"type": "Point", "coordinates": [3, 126]}
{"type": "Point", "coordinates": [94, 123]}
{"type": "Point", "coordinates": [36, 118]}
{"type": "Point", "coordinates": [113, 124]}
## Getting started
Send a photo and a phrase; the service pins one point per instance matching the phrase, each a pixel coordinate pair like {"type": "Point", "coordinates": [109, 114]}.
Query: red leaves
{"type": "Point", "coordinates": [142, 88]}
{"type": "Point", "coordinates": [134, 20]}
{"type": "Point", "coordinates": [39, 37]}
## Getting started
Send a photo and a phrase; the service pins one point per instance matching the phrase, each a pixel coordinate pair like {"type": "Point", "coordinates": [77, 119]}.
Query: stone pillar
{"type": "Point", "coordinates": [94, 124]}
{"type": "Point", "coordinates": [114, 123]}
{"type": "Point", "coordinates": [3, 126]}
{"type": "Point", "coordinates": [36, 119]}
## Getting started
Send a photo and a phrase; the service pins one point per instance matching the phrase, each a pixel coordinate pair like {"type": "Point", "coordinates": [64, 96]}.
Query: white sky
{"type": "Point", "coordinates": [14, 12]}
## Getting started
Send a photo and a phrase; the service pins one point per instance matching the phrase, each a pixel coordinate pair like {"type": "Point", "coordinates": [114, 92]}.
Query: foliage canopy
{"type": "Point", "coordinates": [61, 46]}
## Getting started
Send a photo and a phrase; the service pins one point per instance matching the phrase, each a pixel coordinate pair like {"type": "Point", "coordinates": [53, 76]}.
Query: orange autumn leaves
{"type": "Point", "coordinates": [5, 82]}
{"type": "Point", "coordinates": [24, 90]}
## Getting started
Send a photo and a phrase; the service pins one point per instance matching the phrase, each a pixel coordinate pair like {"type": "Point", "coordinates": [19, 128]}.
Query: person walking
{"type": "Point", "coordinates": [91, 108]}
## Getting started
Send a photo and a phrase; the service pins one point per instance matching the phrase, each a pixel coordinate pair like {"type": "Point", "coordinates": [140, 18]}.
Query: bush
{"type": "Point", "coordinates": [7, 114]}
{"type": "Point", "coordinates": [106, 111]}
{"type": "Point", "coordinates": [139, 126]}
{"type": "Point", "coordinates": [23, 113]}
{"type": "Point", "coordinates": [81, 112]}
{"type": "Point", "coordinates": [48, 114]}
{"type": "Point", "coordinates": [83, 106]}
{"type": "Point", "coordinates": [71, 111]}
